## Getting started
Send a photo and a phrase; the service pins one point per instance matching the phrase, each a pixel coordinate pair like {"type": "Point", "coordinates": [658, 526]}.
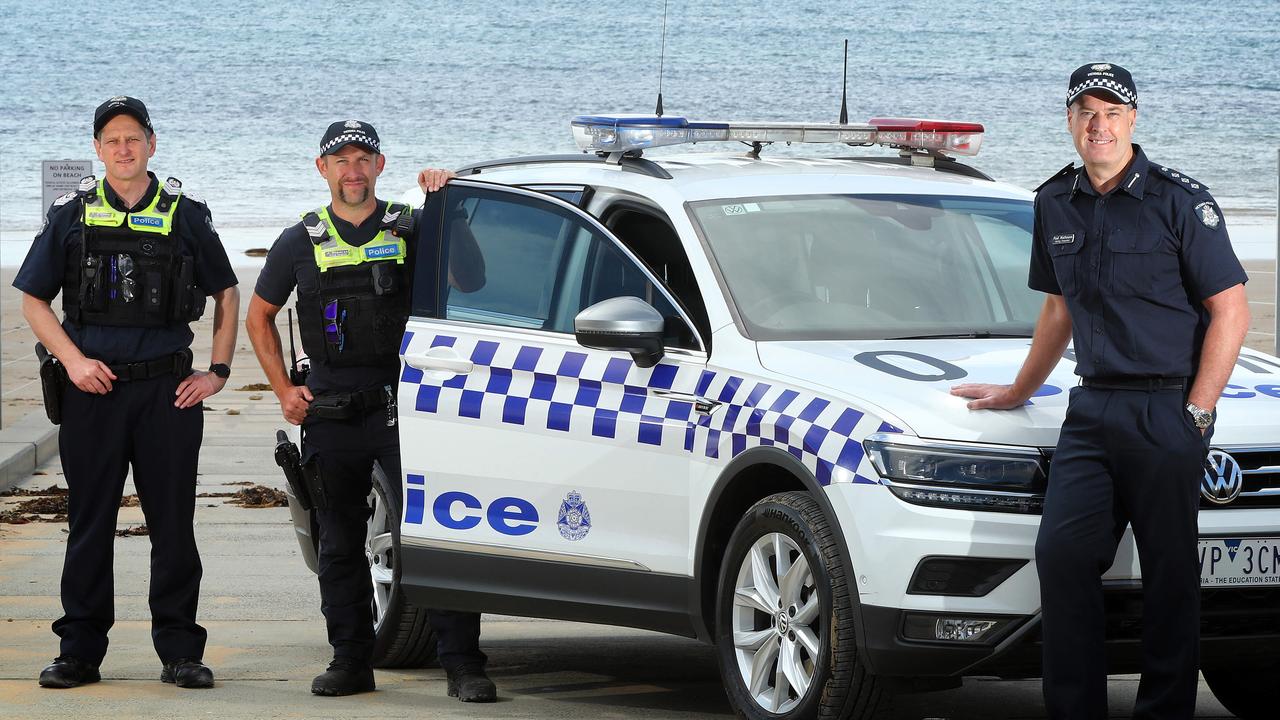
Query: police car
{"type": "Point", "coordinates": [707, 394]}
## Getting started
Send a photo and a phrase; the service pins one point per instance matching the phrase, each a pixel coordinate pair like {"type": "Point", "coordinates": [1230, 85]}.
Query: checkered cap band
{"type": "Point", "coordinates": [1124, 93]}
{"type": "Point", "coordinates": [350, 136]}
{"type": "Point", "coordinates": [612, 400]}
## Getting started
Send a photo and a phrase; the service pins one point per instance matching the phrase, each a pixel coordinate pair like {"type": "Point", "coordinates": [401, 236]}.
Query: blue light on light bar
{"type": "Point", "coordinates": [625, 133]}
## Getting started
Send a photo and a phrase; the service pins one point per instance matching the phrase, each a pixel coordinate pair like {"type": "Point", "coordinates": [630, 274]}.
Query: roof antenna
{"type": "Point", "coordinates": [658, 111]}
{"type": "Point", "coordinates": [844, 93]}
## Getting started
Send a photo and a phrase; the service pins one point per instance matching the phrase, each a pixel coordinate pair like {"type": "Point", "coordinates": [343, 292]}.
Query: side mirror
{"type": "Point", "coordinates": [622, 323]}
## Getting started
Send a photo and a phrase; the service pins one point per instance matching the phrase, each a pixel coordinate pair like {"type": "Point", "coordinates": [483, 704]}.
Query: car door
{"type": "Point", "coordinates": [516, 441]}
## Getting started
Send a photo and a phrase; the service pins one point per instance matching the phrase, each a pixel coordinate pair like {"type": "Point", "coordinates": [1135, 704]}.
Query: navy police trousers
{"type": "Point", "coordinates": [346, 450]}
{"type": "Point", "coordinates": [1125, 458]}
{"type": "Point", "coordinates": [101, 436]}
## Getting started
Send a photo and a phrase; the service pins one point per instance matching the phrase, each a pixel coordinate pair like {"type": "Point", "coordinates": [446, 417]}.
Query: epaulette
{"type": "Point", "coordinates": [316, 228]}
{"type": "Point", "coordinates": [1070, 168]}
{"type": "Point", "coordinates": [1185, 182]}
{"type": "Point", "coordinates": [170, 191]}
{"type": "Point", "coordinates": [87, 188]}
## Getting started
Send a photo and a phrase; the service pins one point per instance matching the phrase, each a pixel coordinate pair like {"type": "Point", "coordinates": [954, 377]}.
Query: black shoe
{"type": "Point", "coordinates": [187, 673]}
{"type": "Point", "coordinates": [67, 671]}
{"type": "Point", "coordinates": [469, 684]}
{"type": "Point", "coordinates": [344, 677]}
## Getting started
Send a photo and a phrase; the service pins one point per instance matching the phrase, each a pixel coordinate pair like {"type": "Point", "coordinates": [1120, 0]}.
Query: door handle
{"type": "Point", "coordinates": [701, 405]}
{"type": "Point", "coordinates": [440, 359]}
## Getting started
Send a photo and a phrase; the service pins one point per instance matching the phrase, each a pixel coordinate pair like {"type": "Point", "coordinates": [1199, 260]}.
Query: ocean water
{"type": "Point", "coordinates": [240, 91]}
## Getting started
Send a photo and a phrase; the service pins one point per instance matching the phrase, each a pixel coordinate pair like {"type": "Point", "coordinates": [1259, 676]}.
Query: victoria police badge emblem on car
{"type": "Point", "coordinates": [574, 520]}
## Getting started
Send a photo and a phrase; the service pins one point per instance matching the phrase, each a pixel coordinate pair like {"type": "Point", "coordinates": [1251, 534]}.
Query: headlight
{"type": "Point", "coordinates": [960, 476]}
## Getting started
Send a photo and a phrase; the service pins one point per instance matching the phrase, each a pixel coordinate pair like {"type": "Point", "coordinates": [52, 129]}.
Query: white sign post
{"type": "Point", "coordinates": [59, 177]}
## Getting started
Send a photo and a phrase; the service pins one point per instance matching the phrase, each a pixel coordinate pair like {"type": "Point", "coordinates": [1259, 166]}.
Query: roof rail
{"type": "Point", "coordinates": [627, 163]}
{"type": "Point", "coordinates": [940, 164]}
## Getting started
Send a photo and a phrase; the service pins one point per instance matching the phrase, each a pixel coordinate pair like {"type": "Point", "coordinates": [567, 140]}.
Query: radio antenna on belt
{"type": "Point", "coordinates": [293, 353]}
{"type": "Point", "coordinates": [844, 92]}
{"type": "Point", "coordinates": [662, 56]}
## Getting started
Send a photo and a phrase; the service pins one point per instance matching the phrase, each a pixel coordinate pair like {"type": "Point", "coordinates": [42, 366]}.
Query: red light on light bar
{"type": "Point", "coordinates": [921, 125]}
{"type": "Point", "coordinates": [945, 136]}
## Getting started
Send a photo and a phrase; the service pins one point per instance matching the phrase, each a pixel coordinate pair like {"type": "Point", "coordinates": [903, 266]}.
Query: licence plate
{"type": "Point", "coordinates": [1239, 562]}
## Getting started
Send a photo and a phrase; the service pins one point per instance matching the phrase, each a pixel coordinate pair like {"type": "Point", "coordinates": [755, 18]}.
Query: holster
{"type": "Point", "coordinates": [53, 383]}
{"type": "Point", "coordinates": [314, 479]}
{"type": "Point", "coordinates": [290, 461]}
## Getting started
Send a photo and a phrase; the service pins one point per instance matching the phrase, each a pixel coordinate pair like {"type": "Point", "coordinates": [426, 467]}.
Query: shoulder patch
{"type": "Point", "coordinates": [188, 195]}
{"type": "Point", "coordinates": [65, 198]}
{"type": "Point", "coordinates": [1183, 181]}
{"type": "Point", "coordinates": [1069, 169]}
{"type": "Point", "coordinates": [1208, 215]}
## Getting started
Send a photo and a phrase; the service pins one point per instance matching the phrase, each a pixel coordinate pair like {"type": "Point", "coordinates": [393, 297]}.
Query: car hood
{"type": "Point", "coordinates": [908, 383]}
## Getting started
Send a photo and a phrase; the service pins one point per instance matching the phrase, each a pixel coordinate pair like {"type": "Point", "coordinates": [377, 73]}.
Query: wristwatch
{"type": "Point", "coordinates": [222, 370]}
{"type": "Point", "coordinates": [1203, 418]}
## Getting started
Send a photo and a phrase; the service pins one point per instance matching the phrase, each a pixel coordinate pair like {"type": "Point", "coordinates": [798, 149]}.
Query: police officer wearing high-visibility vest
{"type": "Point", "coordinates": [350, 263]}
{"type": "Point", "coordinates": [134, 260]}
{"type": "Point", "coordinates": [1137, 267]}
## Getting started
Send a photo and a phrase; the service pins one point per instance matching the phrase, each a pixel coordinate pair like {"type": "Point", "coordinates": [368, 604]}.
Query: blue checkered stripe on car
{"type": "Point", "coordinates": [561, 391]}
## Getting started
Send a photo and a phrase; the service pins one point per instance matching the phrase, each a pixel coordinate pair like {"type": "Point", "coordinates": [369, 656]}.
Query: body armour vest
{"type": "Point", "coordinates": [358, 312]}
{"type": "Point", "coordinates": [132, 271]}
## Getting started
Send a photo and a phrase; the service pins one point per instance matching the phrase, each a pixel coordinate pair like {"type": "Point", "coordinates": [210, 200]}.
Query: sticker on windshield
{"type": "Point", "coordinates": [740, 208]}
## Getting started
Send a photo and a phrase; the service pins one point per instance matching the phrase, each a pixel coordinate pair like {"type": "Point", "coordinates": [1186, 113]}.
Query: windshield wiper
{"type": "Point", "coordinates": [977, 335]}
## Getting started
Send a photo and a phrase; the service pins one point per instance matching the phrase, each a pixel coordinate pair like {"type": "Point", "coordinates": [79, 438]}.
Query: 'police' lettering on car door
{"type": "Point", "coordinates": [459, 510]}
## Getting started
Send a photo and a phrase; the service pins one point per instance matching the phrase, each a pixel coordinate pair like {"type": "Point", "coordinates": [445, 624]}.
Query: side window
{"type": "Point", "coordinates": [542, 264]}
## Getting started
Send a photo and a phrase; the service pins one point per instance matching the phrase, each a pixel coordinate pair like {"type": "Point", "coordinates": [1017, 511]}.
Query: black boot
{"type": "Point", "coordinates": [67, 671]}
{"type": "Point", "coordinates": [344, 677]}
{"type": "Point", "coordinates": [468, 683]}
{"type": "Point", "coordinates": [187, 673]}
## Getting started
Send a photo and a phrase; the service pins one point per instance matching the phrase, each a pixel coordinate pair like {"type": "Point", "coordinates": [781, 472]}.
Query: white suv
{"type": "Point", "coordinates": [707, 394]}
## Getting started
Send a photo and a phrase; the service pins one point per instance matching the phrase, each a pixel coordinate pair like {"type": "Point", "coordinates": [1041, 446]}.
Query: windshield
{"type": "Point", "coordinates": [834, 267]}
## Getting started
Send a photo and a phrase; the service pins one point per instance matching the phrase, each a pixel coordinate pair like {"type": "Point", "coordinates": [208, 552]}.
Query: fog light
{"type": "Point", "coordinates": [931, 627]}
{"type": "Point", "coordinates": [962, 630]}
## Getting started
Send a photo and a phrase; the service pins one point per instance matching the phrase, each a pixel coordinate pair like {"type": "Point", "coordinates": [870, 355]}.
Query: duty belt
{"type": "Point", "coordinates": [178, 364]}
{"type": "Point", "coordinates": [346, 405]}
{"type": "Point", "coordinates": [1148, 384]}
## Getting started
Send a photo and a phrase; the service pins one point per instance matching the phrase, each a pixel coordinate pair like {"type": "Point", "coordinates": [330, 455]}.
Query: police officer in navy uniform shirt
{"type": "Point", "coordinates": [133, 260]}
{"type": "Point", "coordinates": [1138, 270]}
{"type": "Point", "coordinates": [350, 263]}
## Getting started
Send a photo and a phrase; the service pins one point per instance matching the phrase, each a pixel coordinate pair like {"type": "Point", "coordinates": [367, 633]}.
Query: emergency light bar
{"type": "Point", "coordinates": [625, 133]}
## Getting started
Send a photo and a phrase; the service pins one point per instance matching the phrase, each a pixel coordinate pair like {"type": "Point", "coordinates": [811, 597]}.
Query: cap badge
{"type": "Point", "coordinates": [1100, 67]}
{"type": "Point", "coordinates": [353, 124]}
{"type": "Point", "coordinates": [1207, 215]}
{"type": "Point", "coordinates": [118, 98]}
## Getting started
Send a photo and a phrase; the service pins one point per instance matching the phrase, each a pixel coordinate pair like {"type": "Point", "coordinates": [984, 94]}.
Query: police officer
{"type": "Point", "coordinates": [349, 262]}
{"type": "Point", "coordinates": [1137, 267]}
{"type": "Point", "coordinates": [134, 260]}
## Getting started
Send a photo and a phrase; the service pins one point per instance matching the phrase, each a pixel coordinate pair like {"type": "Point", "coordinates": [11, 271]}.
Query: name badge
{"type": "Point", "coordinates": [1064, 239]}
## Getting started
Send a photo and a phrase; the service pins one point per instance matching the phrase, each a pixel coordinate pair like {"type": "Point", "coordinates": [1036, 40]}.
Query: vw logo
{"type": "Point", "coordinates": [1223, 479]}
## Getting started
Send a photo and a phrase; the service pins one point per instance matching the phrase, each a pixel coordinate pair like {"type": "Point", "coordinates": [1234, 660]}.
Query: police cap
{"type": "Point", "coordinates": [121, 104]}
{"type": "Point", "coordinates": [1103, 77]}
{"type": "Point", "coordinates": [345, 132]}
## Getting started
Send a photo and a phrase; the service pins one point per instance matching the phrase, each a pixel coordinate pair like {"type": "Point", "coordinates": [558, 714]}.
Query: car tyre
{"type": "Point", "coordinates": [785, 621]}
{"type": "Point", "coordinates": [402, 634]}
{"type": "Point", "coordinates": [1243, 692]}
